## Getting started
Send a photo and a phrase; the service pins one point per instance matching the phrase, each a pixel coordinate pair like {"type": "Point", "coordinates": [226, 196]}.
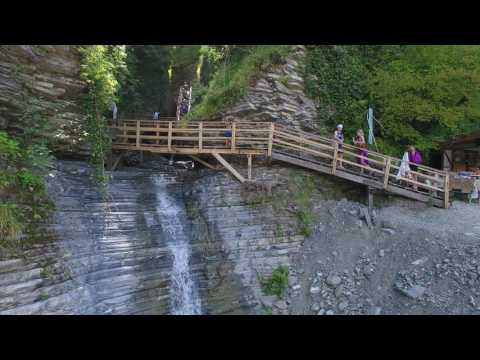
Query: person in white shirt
{"type": "Point", "coordinates": [114, 113]}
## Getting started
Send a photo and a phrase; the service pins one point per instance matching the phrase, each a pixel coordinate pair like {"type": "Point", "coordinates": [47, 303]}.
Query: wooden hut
{"type": "Point", "coordinates": [462, 153]}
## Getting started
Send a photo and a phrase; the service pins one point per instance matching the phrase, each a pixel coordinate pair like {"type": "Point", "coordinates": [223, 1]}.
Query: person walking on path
{"type": "Point", "coordinates": [340, 138]}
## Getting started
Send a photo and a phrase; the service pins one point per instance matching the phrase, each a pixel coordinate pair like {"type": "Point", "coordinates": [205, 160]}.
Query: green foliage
{"type": "Point", "coordinates": [102, 68]}
{"type": "Point", "coordinates": [240, 67]}
{"type": "Point", "coordinates": [10, 223]}
{"type": "Point", "coordinates": [428, 95]}
{"type": "Point", "coordinates": [24, 160]}
{"type": "Point", "coordinates": [421, 94]}
{"type": "Point", "coordinates": [336, 78]}
{"type": "Point", "coordinates": [302, 195]}
{"type": "Point", "coordinates": [277, 283]}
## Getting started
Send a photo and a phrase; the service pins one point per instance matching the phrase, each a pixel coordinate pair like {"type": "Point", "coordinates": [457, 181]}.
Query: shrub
{"type": "Point", "coordinates": [277, 283]}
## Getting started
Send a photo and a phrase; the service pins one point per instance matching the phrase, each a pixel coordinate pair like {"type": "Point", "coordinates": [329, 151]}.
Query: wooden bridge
{"type": "Point", "coordinates": [283, 144]}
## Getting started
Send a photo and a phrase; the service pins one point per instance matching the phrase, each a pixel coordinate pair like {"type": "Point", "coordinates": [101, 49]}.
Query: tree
{"type": "Point", "coordinates": [427, 95]}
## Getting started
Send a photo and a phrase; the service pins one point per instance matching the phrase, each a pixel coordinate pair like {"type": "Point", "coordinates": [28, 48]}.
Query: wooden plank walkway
{"type": "Point", "coordinates": [282, 144]}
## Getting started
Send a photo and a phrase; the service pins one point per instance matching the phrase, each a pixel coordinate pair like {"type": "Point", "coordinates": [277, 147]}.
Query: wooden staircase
{"type": "Point", "coordinates": [283, 144]}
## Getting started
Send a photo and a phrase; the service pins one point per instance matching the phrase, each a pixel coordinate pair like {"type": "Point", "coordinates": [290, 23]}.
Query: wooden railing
{"type": "Point", "coordinates": [264, 138]}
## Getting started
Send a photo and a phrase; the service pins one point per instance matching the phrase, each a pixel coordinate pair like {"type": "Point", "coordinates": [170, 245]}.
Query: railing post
{"type": "Point", "coordinates": [158, 134]}
{"type": "Point", "coordinates": [270, 139]}
{"type": "Point", "coordinates": [200, 136]}
{"type": "Point", "coordinates": [335, 155]}
{"type": "Point", "coordinates": [387, 172]}
{"type": "Point", "coordinates": [447, 190]}
{"type": "Point", "coordinates": [233, 136]}
{"type": "Point", "coordinates": [249, 156]}
{"type": "Point", "coordinates": [125, 139]}
{"type": "Point", "coordinates": [169, 136]}
{"type": "Point", "coordinates": [138, 134]}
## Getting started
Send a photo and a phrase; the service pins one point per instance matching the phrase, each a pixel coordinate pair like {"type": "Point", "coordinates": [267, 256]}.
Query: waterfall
{"type": "Point", "coordinates": [172, 217]}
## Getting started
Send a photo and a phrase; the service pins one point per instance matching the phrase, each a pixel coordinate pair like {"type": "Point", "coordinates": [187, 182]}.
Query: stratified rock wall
{"type": "Point", "coordinates": [244, 238]}
{"type": "Point", "coordinates": [49, 74]}
{"type": "Point", "coordinates": [279, 96]}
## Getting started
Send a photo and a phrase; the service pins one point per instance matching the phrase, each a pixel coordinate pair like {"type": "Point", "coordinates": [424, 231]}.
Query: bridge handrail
{"type": "Point", "coordinates": [263, 137]}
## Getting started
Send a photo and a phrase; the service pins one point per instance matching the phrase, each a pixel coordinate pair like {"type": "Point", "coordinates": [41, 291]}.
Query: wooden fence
{"type": "Point", "coordinates": [264, 138]}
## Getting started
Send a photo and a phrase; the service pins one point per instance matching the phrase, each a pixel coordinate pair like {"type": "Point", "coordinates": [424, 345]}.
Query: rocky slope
{"type": "Point", "coordinates": [278, 96]}
{"type": "Point", "coordinates": [413, 260]}
{"type": "Point", "coordinates": [48, 74]}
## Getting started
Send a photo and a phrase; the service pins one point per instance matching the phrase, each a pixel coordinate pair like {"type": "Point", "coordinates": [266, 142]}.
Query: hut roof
{"type": "Point", "coordinates": [462, 139]}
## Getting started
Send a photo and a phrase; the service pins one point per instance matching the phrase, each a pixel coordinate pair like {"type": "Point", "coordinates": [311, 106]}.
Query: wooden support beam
{"type": "Point", "coordinates": [270, 139]}
{"type": "Point", "coordinates": [370, 199]}
{"type": "Point", "coordinates": [249, 156]}
{"type": "Point", "coordinates": [200, 136]}
{"type": "Point", "coordinates": [234, 172]}
{"type": "Point", "coordinates": [234, 129]}
{"type": "Point", "coordinates": [109, 162]}
{"type": "Point", "coordinates": [115, 164]}
{"type": "Point", "coordinates": [447, 191]}
{"type": "Point", "coordinates": [158, 134]}
{"type": "Point", "coordinates": [169, 136]}
{"type": "Point", "coordinates": [138, 134]}
{"type": "Point", "coordinates": [387, 172]}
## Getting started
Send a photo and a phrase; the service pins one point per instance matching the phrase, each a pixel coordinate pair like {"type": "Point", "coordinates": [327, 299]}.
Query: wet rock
{"type": "Point", "coordinates": [333, 280]}
{"type": "Point", "coordinates": [268, 301]}
{"type": "Point", "coordinates": [420, 261]}
{"type": "Point", "coordinates": [342, 306]}
{"type": "Point", "coordinates": [413, 292]}
{"type": "Point", "coordinates": [315, 307]}
{"type": "Point", "coordinates": [315, 290]}
{"type": "Point", "coordinates": [388, 224]}
{"type": "Point", "coordinates": [281, 304]}
{"type": "Point", "coordinates": [339, 291]}
{"type": "Point", "coordinates": [388, 231]}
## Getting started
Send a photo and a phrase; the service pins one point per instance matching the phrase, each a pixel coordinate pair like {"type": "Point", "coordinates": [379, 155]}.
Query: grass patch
{"type": "Point", "coordinates": [231, 82]}
{"type": "Point", "coordinates": [303, 188]}
{"type": "Point", "coordinates": [284, 80]}
{"type": "Point", "coordinates": [43, 296]}
{"type": "Point", "coordinates": [277, 283]}
{"type": "Point", "coordinates": [10, 224]}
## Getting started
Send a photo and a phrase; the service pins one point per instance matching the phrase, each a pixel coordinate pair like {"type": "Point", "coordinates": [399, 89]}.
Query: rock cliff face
{"type": "Point", "coordinates": [158, 239]}
{"type": "Point", "coordinates": [50, 75]}
{"type": "Point", "coordinates": [243, 238]}
{"type": "Point", "coordinates": [279, 96]}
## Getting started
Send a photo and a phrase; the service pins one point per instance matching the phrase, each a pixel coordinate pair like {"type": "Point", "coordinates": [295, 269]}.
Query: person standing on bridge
{"type": "Point", "coordinates": [114, 113]}
{"type": "Point", "coordinates": [340, 138]}
{"type": "Point", "coordinates": [360, 142]}
{"type": "Point", "coordinates": [156, 115]}
{"type": "Point", "coordinates": [415, 159]}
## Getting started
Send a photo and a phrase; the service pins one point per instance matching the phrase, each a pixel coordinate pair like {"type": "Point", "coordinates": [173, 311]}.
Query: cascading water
{"type": "Point", "coordinates": [172, 217]}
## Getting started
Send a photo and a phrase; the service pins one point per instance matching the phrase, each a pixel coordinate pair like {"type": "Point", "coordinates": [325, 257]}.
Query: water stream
{"type": "Point", "coordinates": [184, 298]}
